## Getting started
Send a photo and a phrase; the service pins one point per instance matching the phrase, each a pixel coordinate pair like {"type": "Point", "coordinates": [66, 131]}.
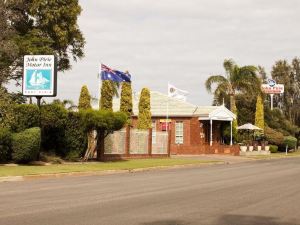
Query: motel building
{"type": "Point", "coordinates": [192, 129]}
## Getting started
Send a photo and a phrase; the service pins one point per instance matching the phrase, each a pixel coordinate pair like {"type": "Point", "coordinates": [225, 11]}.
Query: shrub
{"type": "Point", "coordinates": [26, 145]}
{"type": "Point", "coordinates": [273, 136]}
{"type": "Point", "coordinates": [290, 141]}
{"type": "Point", "coordinates": [144, 117]}
{"type": "Point", "coordinates": [26, 116]}
{"type": "Point", "coordinates": [5, 144]}
{"type": "Point", "coordinates": [75, 142]}
{"type": "Point", "coordinates": [84, 98]}
{"type": "Point", "coordinates": [53, 122]}
{"type": "Point", "coordinates": [273, 148]}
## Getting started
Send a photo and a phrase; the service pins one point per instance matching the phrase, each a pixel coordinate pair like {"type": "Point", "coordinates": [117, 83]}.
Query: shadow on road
{"type": "Point", "coordinates": [249, 220]}
{"type": "Point", "coordinates": [167, 222]}
{"type": "Point", "coordinates": [229, 220]}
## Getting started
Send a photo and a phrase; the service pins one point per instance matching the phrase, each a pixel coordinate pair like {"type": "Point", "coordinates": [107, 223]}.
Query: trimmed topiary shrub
{"type": "Point", "coordinates": [273, 148]}
{"type": "Point", "coordinates": [273, 137]}
{"type": "Point", "coordinates": [144, 117]}
{"type": "Point", "coordinates": [26, 145]}
{"type": "Point", "coordinates": [290, 141]}
{"type": "Point", "coordinates": [5, 144]}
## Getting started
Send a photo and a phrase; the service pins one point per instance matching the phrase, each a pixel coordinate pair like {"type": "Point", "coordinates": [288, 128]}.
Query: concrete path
{"type": "Point", "coordinates": [265, 192]}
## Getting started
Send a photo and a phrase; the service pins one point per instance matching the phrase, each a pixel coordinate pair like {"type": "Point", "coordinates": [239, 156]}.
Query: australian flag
{"type": "Point", "coordinates": [114, 75]}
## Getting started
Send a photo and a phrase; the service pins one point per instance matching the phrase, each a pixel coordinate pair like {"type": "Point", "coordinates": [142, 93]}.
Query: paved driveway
{"type": "Point", "coordinates": [255, 192]}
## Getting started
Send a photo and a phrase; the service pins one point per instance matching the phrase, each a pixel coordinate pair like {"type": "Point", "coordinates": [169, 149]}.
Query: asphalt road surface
{"type": "Point", "coordinates": [261, 192]}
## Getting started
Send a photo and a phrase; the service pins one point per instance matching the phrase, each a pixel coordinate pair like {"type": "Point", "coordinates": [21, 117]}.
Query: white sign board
{"type": "Point", "coordinates": [276, 89]}
{"type": "Point", "coordinates": [40, 75]}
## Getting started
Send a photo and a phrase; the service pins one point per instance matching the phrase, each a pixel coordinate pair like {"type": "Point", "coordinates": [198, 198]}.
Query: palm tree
{"type": "Point", "coordinates": [237, 80]}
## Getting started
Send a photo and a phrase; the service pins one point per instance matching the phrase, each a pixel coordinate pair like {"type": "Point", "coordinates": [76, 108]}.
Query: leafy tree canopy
{"type": "Point", "coordinates": [38, 27]}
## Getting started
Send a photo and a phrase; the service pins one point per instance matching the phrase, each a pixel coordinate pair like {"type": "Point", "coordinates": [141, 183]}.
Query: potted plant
{"type": "Point", "coordinates": [251, 148]}
{"type": "Point", "coordinates": [243, 147]}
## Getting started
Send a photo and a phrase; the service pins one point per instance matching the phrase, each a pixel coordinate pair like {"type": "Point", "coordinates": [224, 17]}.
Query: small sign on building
{"type": "Point", "coordinates": [39, 76]}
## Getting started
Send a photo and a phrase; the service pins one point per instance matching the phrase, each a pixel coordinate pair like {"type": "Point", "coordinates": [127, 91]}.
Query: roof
{"type": "Point", "coordinates": [161, 105]}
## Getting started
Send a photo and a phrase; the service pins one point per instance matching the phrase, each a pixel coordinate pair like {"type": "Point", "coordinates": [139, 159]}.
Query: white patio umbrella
{"type": "Point", "coordinates": [248, 126]}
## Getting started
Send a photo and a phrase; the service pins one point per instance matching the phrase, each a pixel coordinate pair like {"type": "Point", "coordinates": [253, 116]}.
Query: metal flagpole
{"type": "Point", "coordinates": [99, 86]}
{"type": "Point", "coordinates": [167, 123]}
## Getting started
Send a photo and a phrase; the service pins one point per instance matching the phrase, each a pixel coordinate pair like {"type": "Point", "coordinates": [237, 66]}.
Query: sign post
{"type": "Point", "coordinates": [272, 88]}
{"type": "Point", "coordinates": [40, 76]}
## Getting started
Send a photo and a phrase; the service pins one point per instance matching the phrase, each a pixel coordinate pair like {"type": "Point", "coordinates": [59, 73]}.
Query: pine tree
{"type": "Point", "coordinates": [84, 98]}
{"type": "Point", "coordinates": [259, 114]}
{"type": "Point", "coordinates": [144, 117]}
{"type": "Point", "coordinates": [126, 99]}
{"type": "Point", "coordinates": [107, 93]}
{"type": "Point", "coordinates": [234, 122]}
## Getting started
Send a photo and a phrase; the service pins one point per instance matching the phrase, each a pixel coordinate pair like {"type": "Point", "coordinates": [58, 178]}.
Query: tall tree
{"type": "Point", "coordinates": [84, 98]}
{"type": "Point", "coordinates": [144, 117]}
{"type": "Point", "coordinates": [259, 114]}
{"type": "Point", "coordinates": [8, 48]}
{"type": "Point", "coordinates": [296, 91]}
{"type": "Point", "coordinates": [126, 99]}
{"type": "Point", "coordinates": [107, 92]}
{"type": "Point", "coordinates": [42, 27]}
{"type": "Point", "coordinates": [237, 80]}
{"type": "Point", "coordinates": [282, 73]}
{"type": "Point", "coordinates": [262, 73]}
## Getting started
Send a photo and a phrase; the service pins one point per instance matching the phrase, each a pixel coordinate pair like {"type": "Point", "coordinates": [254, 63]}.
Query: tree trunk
{"type": "Point", "coordinates": [232, 104]}
{"type": "Point", "coordinates": [100, 145]}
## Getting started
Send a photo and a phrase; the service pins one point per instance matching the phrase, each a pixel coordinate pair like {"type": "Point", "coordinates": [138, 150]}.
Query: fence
{"type": "Point", "coordinates": [133, 143]}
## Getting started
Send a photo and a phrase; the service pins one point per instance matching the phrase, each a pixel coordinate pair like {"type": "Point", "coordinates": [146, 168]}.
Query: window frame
{"type": "Point", "coordinates": [179, 132]}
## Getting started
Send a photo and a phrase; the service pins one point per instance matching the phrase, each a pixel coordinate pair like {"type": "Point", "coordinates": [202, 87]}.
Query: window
{"type": "Point", "coordinates": [153, 132]}
{"type": "Point", "coordinates": [179, 132]}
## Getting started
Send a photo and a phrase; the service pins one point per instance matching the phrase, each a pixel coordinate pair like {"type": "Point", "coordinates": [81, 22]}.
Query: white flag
{"type": "Point", "coordinates": [177, 93]}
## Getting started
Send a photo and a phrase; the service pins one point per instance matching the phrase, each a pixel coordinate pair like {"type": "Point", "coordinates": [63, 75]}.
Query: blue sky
{"type": "Point", "coordinates": [181, 42]}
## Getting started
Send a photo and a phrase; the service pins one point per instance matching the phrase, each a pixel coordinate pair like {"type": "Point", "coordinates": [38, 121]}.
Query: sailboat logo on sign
{"type": "Point", "coordinates": [38, 79]}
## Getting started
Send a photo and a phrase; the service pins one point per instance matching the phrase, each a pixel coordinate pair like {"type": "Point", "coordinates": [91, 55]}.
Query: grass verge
{"type": "Point", "coordinates": [23, 170]}
{"type": "Point", "coordinates": [276, 155]}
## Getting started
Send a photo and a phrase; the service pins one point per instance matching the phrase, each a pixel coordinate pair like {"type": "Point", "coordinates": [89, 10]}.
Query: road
{"type": "Point", "coordinates": [265, 192]}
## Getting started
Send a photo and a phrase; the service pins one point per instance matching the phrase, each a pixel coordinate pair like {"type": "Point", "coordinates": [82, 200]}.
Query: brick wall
{"type": "Point", "coordinates": [196, 137]}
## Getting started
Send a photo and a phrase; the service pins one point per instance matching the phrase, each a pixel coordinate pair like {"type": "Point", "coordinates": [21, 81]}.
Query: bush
{"type": "Point", "coordinates": [53, 122]}
{"type": "Point", "coordinates": [26, 145]}
{"type": "Point", "coordinates": [5, 144]}
{"type": "Point", "coordinates": [75, 142]}
{"type": "Point", "coordinates": [273, 148]}
{"type": "Point", "coordinates": [290, 141]}
{"type": "Point", "coordinates": [26, 116]}
{"type": "Point", "coordinates": [273, 137]}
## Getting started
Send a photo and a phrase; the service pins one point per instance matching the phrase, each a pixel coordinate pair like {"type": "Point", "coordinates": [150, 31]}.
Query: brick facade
{"type": "Point", "coordinates": [196, 136]}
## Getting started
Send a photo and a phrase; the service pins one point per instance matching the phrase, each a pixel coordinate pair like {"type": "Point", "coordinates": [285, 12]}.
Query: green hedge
{"type": "Point", "coordinates": [63, 132]}
{"type": "Point", "coordinates": [290, 141]}
{"type": "Point", "coordinates": [5, 144]}
{"type": "Point", "coordinates": [26, 145]}
{"type": "Point", "coordinates": [53, 122]}
{"type": "Point", "coordinates": [75, 137]}
{"type": "Point", "coordinates": [25, 116]}
{"type": "Point", "coordinates": [273, 148]}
